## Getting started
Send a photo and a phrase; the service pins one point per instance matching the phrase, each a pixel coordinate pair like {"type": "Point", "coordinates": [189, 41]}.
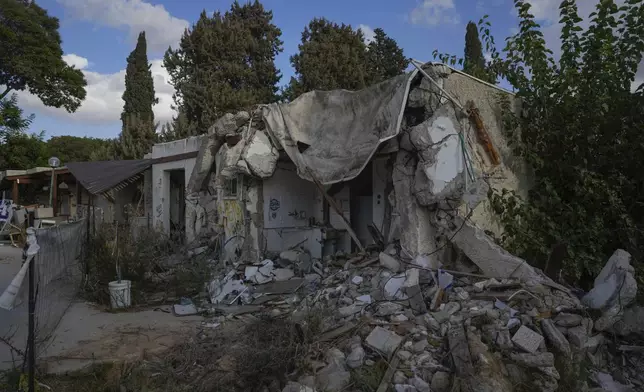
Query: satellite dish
{"type": "Point", "coordinates": [54, 162]}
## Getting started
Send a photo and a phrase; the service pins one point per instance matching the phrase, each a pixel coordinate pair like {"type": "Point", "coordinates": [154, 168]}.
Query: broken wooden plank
{"type": "Point", "coordinates": [337, 209]}
{"type": "Point", "coordinates": [386, 379]}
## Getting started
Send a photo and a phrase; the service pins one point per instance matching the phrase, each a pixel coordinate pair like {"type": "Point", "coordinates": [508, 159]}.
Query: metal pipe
{"type": "Point", "coordinates": [422, 71]}
{"type": "Point", "coordinates": [31, 340]}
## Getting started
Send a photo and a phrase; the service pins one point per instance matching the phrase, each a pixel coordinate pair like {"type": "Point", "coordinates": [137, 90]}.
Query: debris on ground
{"type": "Point", "coordinates": [480, 333]}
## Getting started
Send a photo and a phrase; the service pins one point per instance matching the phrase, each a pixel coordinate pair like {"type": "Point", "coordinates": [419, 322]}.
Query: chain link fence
{"type": "Point", "coordinates": [59, 275]}
{"type": "Point", "coordinates": [58, 278]}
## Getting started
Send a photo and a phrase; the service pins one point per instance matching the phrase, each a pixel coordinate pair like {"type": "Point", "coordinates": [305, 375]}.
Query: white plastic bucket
{"type": "Point", "coordinates": [120, 294]}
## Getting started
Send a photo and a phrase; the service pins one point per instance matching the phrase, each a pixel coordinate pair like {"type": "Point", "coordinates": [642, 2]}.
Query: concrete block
{"type": "Point", "coordinates": [527, 339]}
{"type": "Point", "coordinates": [384, 341]}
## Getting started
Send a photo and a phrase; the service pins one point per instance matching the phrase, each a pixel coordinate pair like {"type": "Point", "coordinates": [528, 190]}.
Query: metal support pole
{"type": "Point", "coordinates": [31, 341]}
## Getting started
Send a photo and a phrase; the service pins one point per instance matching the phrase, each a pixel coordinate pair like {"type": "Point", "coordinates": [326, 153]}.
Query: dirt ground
{"type": "Point", "coordinates": [88, 335]}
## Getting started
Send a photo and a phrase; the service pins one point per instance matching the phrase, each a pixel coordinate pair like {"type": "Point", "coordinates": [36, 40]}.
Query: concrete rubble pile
{"type": "Point", "coordinates": [436, 329]}
{"type": "Point", "coordinates": [490, 322]}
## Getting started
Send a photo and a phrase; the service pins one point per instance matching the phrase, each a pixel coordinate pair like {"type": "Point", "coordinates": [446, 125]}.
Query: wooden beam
{"type": "Point", "coordinates": [337, 209]}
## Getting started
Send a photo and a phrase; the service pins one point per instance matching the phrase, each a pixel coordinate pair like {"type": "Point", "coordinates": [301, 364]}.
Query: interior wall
{"type": "Point", "coordinates": [292, 211]}
{"type": "Point", "coordinates": [361, 204]}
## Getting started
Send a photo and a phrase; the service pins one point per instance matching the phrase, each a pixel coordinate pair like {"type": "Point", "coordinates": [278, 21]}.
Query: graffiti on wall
{"type": "Point", "coordinates": [274, 206]}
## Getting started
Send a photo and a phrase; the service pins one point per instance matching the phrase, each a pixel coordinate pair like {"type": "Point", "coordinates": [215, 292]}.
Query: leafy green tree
{"type": "Point", "coordinates": [107, 152]}
{"type": "Point", "coordinates": [138, 132]}
{"type": "Point", "coordinates": [331, 56]}
{"type": "Point", "coordinates": [21, 151]}
{"type": "Point", "coordinates": [12, 119]}
{"type": "Point", "coordinates": [225, 63]}
{"type": "Point", "coordinates": [474, 61]}
{"type": "Point", "coordinates": [179, 128]}
{"type": "Point", "coordinates": [581, 132]}
{"type": "Point", "coordinates": [73, 148]}
{"type": "Point", "coordinates": [385, 59]}
{"type": "Point", "coordinates": [31, 57]}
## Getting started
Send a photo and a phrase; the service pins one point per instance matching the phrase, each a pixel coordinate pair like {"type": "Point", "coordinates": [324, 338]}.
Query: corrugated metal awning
{"type": "Point", "coordinates": [103, 176]}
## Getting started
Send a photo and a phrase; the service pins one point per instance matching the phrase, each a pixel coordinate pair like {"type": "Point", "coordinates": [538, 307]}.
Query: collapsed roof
{"type": "Point", "coordinates": [334, 134]}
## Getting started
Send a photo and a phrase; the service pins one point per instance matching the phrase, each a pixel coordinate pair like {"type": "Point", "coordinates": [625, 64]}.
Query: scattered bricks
{"type": "Point", "coordinates": [384, 341]}
{"type": "Point", "coordinates": [527, 339]}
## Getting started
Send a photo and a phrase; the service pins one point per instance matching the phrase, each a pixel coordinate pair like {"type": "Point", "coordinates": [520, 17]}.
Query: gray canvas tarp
{"type": "Point", "coordinates": [338, 131]}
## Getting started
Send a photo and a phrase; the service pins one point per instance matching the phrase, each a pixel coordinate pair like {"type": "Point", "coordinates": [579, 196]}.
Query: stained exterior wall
{"type": "Point", "coordinates": [160, 178]}
{"type": "Point", "coordinates": [512, 173]}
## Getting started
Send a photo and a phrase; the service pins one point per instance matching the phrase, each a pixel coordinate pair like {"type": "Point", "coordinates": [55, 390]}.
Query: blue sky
{"type": "Point", "coordinates": [99, 34]}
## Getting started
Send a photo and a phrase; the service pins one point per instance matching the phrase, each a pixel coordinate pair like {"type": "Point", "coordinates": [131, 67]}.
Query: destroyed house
{"type": "Point", "coordinates": [336, 171]}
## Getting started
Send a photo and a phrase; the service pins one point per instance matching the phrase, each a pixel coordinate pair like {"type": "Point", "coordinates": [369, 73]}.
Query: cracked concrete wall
{"type": "Point", "coordinates": [512, 173]}
{"type": "Point", "coordinates": [417, 232]}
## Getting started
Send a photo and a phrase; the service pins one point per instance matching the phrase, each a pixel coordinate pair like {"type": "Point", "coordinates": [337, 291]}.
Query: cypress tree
{"type": "Point", "coordinates": [474, 62]}
{"type": "Point", "coordinates": [138, 128]}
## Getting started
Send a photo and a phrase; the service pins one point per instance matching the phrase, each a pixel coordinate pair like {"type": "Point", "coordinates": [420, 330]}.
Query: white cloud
{"type": "Point", "coordinates": [133, 16]}
{"type": "Point", "coordinates": [434, 12]}
{"type": "Point", "coordinates": [104, 103]}
{"type": "Point", "coordinates": [368, 33]}
{"type": "Point", "coordinates": [76, 61]}
{"type": "Point", "coordinates": [546, 9]}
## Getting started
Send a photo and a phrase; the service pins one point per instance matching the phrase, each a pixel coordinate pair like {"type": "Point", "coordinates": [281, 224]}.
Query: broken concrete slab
{"type": "Point", "coordinates": [568, 319]}
{"type": "Point", "coordinates": [389, 262]}
{"type": "Point", "coordinates": [536, 360]}
{"type": "Point", "coordinates": [228, 124]}
{"type": "Point", "coordinates": [614, 290]}
{"type": "Point", "coordinates": [260, 155]}
{"type": "Point", "coordinates": [441, 382]}
{"type": "Point", "coordinates": [282, 274]}
{"type": "Point", "coordinates": [439, 145]}
{"type": "Point", "coordinates": [485, 253]}
{"type": "Point", "coordinates": [384, 341]}
{"type": "Point", "coordinates": [631, 323]}
{"type": "Point", "coordinates": [286, 287]}
{"type": "Point", "coordinates": [555, 337]}
{"type": "Point", "coordinates": [297, 387]}
{"type": "Point", "coordinates": [356, 357]}
{"type": "Point", "coordinates": [333, 378]}
{"type": "Point", "coordinates": [412, 289]}
{"type": "Point", "coordinates": [527, 339]}
{"type": "Point", "coordinates": [419, 233]}
{"type": "Point", "coordinates": [614, 283]}
{"type": "Point", "coordinates": [577, 336]}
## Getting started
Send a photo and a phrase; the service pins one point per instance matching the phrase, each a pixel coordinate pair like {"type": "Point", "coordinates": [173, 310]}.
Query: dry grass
{"type": "Point", "coordinates": [142, 261]}
{"type": "Point", "coordinates": [238, 356]}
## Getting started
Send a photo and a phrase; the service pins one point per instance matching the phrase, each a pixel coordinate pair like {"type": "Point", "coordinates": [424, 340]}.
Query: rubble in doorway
{"type": "Point", "coordinates": [436, 329]}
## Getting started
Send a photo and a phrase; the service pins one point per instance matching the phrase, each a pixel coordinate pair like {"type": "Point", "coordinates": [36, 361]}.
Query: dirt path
{"type": "Point", "coordinates": [87, 335]}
